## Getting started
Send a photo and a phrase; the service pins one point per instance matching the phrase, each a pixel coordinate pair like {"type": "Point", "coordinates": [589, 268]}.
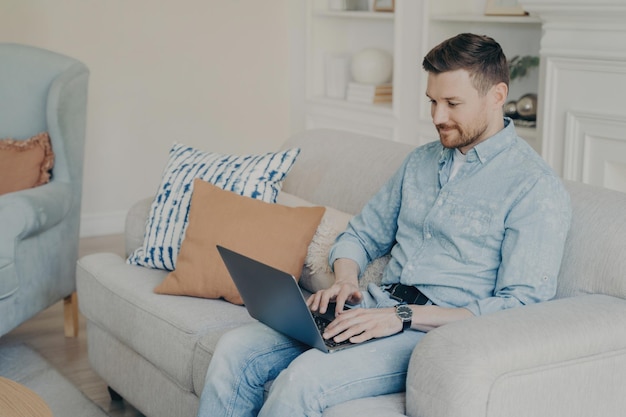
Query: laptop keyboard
{"type": "Point", "coordinates": [321, 323]}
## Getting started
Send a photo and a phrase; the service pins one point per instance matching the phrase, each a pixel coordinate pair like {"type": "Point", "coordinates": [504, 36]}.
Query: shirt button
{"type": "Point", "coordinates": [439, 203]}
{"type": "Point", "coordinates": [428, 235]}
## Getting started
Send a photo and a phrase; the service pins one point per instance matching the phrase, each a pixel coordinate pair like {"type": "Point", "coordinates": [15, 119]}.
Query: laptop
{"type": "Point", "coordinates": [274, 298]}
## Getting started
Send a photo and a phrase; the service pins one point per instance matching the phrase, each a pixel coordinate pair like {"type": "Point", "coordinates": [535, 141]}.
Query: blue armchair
{"type": "Point", "coordinates": [42, 91]}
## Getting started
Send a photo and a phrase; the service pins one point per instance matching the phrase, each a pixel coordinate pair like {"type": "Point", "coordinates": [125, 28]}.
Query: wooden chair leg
{"type": "Point", "coordinates": [70, 312]}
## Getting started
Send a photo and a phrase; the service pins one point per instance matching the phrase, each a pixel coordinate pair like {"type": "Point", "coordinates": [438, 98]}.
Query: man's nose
{"type": "Point", "coordinates": [439, 115]}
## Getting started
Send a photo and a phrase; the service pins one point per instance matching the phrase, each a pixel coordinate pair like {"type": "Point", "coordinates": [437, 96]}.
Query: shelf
{"type": "Point", "coordinates": [350, 14]}
{"type": "Point", "coordinates": [385, 109]}
{"type": "Point", "coordinates": [530, 20]}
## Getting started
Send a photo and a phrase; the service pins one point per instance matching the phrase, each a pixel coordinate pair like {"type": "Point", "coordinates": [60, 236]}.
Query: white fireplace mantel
{"type": "Point", "coordinates": [582, 121]}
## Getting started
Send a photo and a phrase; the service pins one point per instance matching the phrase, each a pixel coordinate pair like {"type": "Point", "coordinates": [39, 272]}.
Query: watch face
{"type": "Point", "coordinates": [404, 312]}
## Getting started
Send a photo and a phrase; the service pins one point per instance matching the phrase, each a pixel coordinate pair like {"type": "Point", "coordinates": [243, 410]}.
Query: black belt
{"type": "Point", "coordinates": [407, 294]}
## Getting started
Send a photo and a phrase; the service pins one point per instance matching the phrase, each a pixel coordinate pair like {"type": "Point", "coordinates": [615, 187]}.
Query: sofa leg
{"type": "Point", "coordinates": [70, 312]}
{"type": "Point", "coordinates": [114, 395]}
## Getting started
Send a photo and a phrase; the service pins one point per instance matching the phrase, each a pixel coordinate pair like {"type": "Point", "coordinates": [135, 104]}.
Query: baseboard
{"type": "Point", "coordinates": [102, 224]}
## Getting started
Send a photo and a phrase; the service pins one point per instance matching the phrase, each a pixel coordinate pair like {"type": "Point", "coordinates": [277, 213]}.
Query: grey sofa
{"type": "Point", "coordinates": [566, 357]}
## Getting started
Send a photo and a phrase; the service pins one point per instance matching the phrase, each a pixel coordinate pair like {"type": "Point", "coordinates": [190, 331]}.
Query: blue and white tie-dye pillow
{"type": "Point", "coordinates": [256, 176]}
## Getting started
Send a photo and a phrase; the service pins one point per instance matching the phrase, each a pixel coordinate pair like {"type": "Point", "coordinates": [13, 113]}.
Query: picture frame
{"type": "Point", "coordinates": [384, 5]}
{"type": "Point", "coordinates": [504, 8]}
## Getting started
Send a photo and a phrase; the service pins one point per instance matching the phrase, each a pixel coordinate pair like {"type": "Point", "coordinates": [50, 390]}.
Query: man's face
{"type": "Point", "coordinates": [461, 115]}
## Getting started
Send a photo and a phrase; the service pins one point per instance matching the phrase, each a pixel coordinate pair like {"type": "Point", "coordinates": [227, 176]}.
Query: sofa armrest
{"type": "Point", "coordinates": [560, 358]}
{"type": "Point", "coordinates": [135, 226]}
{"type": "Point", "coordinates": [35, 210]}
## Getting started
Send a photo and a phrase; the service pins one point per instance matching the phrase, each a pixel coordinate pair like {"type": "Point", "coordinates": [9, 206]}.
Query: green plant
{"type": "Point", "coordinates": [519, 66]}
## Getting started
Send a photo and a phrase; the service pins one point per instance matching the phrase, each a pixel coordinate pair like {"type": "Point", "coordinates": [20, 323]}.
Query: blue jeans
{"type": "Point", "coordinates": [306, 381]}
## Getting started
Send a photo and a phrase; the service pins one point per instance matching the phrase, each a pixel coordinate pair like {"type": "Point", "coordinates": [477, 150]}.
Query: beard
{"type": "Point", "coordinates": [451, 135]}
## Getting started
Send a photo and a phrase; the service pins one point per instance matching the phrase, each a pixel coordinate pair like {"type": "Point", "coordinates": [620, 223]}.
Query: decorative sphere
{"type": "Point", "coordinates": [372, 66]}
{"type": "Point", "coordinates": [510, 109]}
{"type": "Point", "coordinates": [527, 107]}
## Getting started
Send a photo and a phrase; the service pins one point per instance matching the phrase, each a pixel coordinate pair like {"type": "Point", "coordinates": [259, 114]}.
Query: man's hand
{"type": "Point", "coordinates": [357, 324]}
{"type": "Point", "coordinates": [362, 324]}
{"type": "Point", "coordinates": [345, 289]}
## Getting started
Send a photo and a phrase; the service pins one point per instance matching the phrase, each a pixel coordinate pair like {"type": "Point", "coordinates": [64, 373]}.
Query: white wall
{"type": "Point", "coordinates": [218, 75]}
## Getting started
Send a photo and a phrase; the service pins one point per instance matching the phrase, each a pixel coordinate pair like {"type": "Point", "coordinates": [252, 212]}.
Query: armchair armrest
{"type": "Point", "coordinates": [27, 212]}
{"type": "Point", "coordinates": [560, 358]}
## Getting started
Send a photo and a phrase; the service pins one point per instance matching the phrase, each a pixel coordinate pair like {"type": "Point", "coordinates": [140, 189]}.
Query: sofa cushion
{"type": "Point", "coordinates": [163, 329]}
{"type": "Point", "coordinates": [256, 176]}
{"type": "Point", "coordinates": [594, 261]}
{"type": "Point", "coordinates": [271, 233]}
{"type": "Point", "coordinates": [25, 163]}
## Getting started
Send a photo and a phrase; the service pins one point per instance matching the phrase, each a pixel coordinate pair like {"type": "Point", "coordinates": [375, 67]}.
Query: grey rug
{"type": "Point", "coordinates": [21, 364]}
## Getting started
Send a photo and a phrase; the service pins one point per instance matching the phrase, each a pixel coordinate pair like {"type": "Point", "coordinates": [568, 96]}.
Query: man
{"type": "Point", "coordinates": [475, 223]}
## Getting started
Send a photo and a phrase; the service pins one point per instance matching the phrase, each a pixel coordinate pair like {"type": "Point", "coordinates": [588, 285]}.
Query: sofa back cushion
{"type": "Point", "coordinates": [594, 261]}
{"type": "Point", "coordinates": [341, 169]}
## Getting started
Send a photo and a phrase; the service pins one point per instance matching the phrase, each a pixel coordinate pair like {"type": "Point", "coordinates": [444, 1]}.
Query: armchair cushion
{"type": "Point", "coordinates": [257, 176]}
{"type": "Point", "coordinates": [25, 163]}
{"type": "Point", "coordinates": [271, 233]}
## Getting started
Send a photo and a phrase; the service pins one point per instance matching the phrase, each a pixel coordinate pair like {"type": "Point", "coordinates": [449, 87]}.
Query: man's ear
{"type": "Point", "coordinates": [500, 92]}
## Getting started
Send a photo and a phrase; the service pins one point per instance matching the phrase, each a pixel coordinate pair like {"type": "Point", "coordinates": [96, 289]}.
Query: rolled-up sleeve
{"type": "Point", "coordinates": [372, 232]}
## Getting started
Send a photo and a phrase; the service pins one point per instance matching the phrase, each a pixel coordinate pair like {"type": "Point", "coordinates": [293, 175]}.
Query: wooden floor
{"type": "Point", "coordinates": [44, 333]}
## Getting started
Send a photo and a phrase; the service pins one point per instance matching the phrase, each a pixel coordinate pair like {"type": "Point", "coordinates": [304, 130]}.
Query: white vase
{"type": "Point", "coordinates": [337, 74]}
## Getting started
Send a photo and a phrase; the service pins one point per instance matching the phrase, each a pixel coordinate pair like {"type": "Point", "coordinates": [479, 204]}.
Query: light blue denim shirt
{"type": "Point", "coordinates": [489, 239]}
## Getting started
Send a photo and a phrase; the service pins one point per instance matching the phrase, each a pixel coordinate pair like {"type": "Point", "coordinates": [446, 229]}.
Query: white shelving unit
{"type": "Point", "coordinates": [408, 34]}
{"type": "Point", "coordinates": [345, 33]}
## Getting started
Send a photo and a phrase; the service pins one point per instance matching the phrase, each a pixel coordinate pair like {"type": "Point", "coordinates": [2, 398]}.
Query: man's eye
{"type": "Point", "coordinates": [453, 104]}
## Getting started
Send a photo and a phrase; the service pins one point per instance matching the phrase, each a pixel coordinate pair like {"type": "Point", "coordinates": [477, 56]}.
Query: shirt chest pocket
{"type": "Point", "coordinates": [464, 228]}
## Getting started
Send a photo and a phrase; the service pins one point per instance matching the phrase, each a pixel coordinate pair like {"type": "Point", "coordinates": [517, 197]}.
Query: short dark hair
{"type": "Point", "coordinates": [479, 55]}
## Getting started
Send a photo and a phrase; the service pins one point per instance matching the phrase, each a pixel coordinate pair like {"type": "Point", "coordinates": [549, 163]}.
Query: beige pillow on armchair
{"type": "Point", "coordinates": [25, 163]}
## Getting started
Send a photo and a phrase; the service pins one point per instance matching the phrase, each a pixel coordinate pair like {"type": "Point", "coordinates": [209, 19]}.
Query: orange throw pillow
{"type": "Point", "coordinates": [271, 233]}
{"type": "Point", "coordinates": [25, 163]}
